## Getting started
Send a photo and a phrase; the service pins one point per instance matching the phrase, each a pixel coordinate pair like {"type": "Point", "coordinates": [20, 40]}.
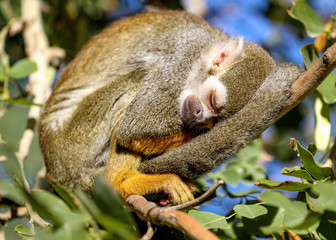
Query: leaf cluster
{"type": "Point", "coordinates": [67, 215]}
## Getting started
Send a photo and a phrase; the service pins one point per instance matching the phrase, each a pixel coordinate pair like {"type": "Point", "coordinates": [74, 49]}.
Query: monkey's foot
{"type": "Point", "coordinates": [144, 184]}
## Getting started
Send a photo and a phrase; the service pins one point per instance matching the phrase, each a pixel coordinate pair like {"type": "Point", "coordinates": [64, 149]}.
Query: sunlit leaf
{"type": "Point", "coordinates": [287, 185]}
{"type": "Point", "coordinates": [297, 171]}
{"type": "Point", "coordinates": [303, 13]}
{"type": "Point", "coordinates": [323, 125]}
{"type": "Point", "coordinates": [209, 220]}
{"type": "Point", "coordinates": [322, 40]}
{"type": "Point", "coordinates": [250, 211]}
{"type": "Point", "coordinates": [309, 163]}
{"type": "Point", "coordinates": [22, 68]}
{"type": "Point", "coordinates": [328, 89]}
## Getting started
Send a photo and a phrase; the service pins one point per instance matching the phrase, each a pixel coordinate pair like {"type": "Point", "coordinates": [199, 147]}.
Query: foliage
{"type": "Point", "coordinates": [274, 213]}
{"type": "Point", "coordinates": [71, 216]}
{"type": "Point", "coordinates": [304, 207]}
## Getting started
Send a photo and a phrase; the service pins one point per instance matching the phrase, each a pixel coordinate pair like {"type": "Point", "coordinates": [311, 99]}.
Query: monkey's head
{"type": "Point", "coordinates": [222, 82]}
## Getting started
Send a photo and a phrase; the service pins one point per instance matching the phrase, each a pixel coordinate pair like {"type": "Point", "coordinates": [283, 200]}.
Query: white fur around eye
{"type": "Point", "coordinates": [213, 83]}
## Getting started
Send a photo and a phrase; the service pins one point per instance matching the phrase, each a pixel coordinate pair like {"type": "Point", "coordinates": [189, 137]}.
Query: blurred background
{"type": "Point", "coordinates": [70, 23]}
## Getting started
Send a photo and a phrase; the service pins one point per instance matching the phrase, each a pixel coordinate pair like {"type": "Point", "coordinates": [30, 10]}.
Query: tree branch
{"type": "Point", "coordinates": [311, 79]}
{"type": "Point", "coordinates": [161, 216]}
{"type": "Point", "coordinates": [38, 50]}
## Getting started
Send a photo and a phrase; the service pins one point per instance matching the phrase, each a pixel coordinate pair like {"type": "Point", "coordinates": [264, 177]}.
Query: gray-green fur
{"type": "Point", "coordinates": [124, 85]}
{"type": "Point", "coordinates": [207, 151]}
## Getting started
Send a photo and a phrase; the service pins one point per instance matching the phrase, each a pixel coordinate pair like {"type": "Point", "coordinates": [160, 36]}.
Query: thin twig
{"type": "Point", "coordinates": [200, 198]}
{"type": "Point", "coordinates": [150, 232]}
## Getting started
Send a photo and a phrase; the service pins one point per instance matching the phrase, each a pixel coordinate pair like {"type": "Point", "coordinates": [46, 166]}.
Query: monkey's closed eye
{"type": "Point", "coordinates": [212, 101]}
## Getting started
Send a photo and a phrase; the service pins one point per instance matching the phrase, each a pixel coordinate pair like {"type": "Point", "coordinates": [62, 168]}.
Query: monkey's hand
{"type": "Point", "coordinates": [122, 173]}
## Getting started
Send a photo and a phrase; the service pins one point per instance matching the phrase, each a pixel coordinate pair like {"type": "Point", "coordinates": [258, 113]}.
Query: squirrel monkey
{"type": "Point", "coordinates": [157, 99]}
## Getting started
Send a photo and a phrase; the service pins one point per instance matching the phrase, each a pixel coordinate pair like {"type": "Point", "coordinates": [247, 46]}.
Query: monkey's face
{"type": "Point", "coordinates": [206, 93]}
{"type": "Point", "coordinates": [200, 105]}
{"type": "Point", "coordinates": [222, 82]}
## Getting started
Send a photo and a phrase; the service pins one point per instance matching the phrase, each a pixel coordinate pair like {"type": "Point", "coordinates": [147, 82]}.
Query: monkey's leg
{"type": "Point", "coordinates": [122, 173]}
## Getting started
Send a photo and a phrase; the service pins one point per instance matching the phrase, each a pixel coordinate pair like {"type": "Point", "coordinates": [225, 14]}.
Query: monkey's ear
{"type": "Point", "coordinates": [228, 53]}
{"type": "Point", "coordinates": [219, 57]}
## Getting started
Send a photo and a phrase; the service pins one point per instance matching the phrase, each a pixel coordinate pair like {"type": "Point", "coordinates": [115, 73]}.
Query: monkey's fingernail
{"type": "Point", "coordinates": [164, 202]}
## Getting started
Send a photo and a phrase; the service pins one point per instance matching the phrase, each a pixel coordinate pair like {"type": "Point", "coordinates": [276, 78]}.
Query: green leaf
{"type": "Point", "coordinates": [2, 75]}
{"type": "Point", "coordinates": [297, 171]}
{"type": "Point", "coordinates": [310, 224]}
{"type": "Point", "coordinates": [244, 193]}
{"type": "Point", "coordinates": [250, 211]}
{"type": "Point", "coordinates": [209, 220]}
{"type": "Point", "coordinates": [309, 54]}
{"type": "Point", "coordinates": [54, 203]}
{"type": "Point", "coordinates": [303, 13]}
{"type": "Point", "coordinates": [295, 212]}
{"type": "Point", "coordinates": [273, 219]}
{"type": "Point", "coordinates": [328, 87]}
{"type": "Point", "coordinates": [287, 185]}
{"type": "Point", "coordinates": [12, 192]}
{"type": "Point", "coordinates": [323, 126]}
{"type": "Point", "coordinates": [312, 148]}
{"type": "Point", "coordinates": [23, 102]}
{"type": "Point", "coordinates": [115, 227]}
{"type": "Point", "coordinates": [104, 196]}
{"type": "Point", "coordinates": [231, 175]}
{"type": "Point", "coordinates": [297, 217]}
{"type": "Point", "coordinates": [22, 68]}
{"type": "Point", "coordinates": [322, 197]}
{"type": "Point", "coordinates": [51, 207]}
{"type": "Point", "coordinates": [13, 167]}
{"type": "Point", "coordinates": [276, 224]}
{"type": "Point", "coordinates": [309, 163]}
{"type": "Point", "coordinates": [24, 232]}
{"type": "Point", "coordinates": [65, 195]}
{"type": "Point", "coordinates": [252, 153]}
{"type": "Point", "coordinates": [68, 232]}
